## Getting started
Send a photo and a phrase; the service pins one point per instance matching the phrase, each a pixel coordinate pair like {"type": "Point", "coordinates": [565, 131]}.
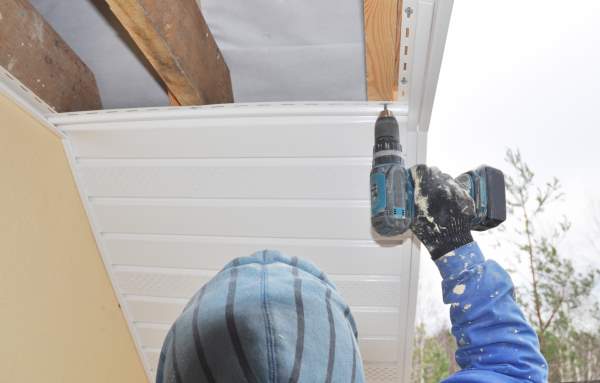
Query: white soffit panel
{"type": "Point", "coordinates": [174, 194]}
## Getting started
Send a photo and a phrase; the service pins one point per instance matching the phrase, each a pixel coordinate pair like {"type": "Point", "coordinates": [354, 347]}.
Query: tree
{"type": "Point", "coordinates": [433, 356]}
{"type": "Point", "coordinates": [554, 292]}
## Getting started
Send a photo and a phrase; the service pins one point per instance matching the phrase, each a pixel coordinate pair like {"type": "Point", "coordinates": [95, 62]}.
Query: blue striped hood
{"type": "Point", "coordinates": [263, 318]}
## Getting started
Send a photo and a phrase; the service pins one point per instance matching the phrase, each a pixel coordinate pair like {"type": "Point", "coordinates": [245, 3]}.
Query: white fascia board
{"type": "Point", "coordinates": [431, 28]}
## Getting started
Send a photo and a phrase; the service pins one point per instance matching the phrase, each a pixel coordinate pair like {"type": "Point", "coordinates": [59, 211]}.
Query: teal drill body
{"type": "Point", "coordinates": [392, 187]}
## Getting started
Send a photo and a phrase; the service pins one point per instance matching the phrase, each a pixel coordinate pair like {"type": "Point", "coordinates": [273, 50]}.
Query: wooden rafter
{"type": "Point", "coordinates": [382, 21]}
{"type": "Point", "coordinates": [177, 42]}
{"type": "Point", "coordinates": [35, 54]}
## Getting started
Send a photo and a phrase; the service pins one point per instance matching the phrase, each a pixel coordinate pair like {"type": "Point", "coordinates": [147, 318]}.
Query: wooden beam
{"type": "Point", "coordinates": [175, 39]}
{"type": "Point", "coordinates": [382, 20]}
{"type": "Point", "coordinates": [172, 100]}
{"type": "Point", "coordinates": [35, 54]}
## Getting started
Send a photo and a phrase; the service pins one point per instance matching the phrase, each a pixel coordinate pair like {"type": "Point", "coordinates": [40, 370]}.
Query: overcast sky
{"type": "Point", "coordinates": [521, 74]}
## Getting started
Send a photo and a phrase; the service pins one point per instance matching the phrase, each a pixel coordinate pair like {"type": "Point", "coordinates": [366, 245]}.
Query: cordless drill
{"type": "Point", "coordinates": [392, 186]}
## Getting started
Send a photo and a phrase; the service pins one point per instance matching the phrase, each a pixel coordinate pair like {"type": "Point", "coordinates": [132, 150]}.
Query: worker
{"type": "Point", "coordinates": [270, 318]}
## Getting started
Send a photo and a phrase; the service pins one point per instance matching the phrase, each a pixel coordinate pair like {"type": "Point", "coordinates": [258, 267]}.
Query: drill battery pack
{"type": "Point", "coordinates": [487, 188]}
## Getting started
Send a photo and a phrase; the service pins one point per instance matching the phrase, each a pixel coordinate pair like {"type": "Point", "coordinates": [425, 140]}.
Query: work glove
{"type": "Point", "coordinates": [443, 211]}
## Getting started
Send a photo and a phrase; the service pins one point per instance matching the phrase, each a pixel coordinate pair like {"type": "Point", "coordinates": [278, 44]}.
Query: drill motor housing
{"type": "Point", "coordinates": [392, 186]}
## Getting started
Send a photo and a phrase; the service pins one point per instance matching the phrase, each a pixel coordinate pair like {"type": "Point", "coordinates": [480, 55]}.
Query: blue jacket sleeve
{"type": "Point", "coordinates": [495, 341]}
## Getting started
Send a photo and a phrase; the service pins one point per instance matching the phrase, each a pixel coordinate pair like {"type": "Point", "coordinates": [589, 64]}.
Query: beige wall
{"type": "Point", "coordinates": [59, 319]}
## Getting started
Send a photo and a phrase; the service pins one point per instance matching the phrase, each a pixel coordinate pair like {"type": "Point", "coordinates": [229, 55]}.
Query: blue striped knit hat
{"type": "Point", "coordinates": [263, 318]}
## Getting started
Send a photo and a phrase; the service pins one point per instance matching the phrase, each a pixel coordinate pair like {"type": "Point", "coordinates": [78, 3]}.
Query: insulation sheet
{"type": "Point", "coordinates": [276, 50]}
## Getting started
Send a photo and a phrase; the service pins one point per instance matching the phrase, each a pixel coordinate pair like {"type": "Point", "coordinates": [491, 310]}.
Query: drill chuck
{"type": "Point", "coordinates": [387, 137]}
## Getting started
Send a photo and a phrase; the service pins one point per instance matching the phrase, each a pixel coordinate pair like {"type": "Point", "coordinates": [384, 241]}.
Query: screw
{"type": "Point", "coordinates": [408, 11]}
{"type": "Point", "coordinates": [404, 81]}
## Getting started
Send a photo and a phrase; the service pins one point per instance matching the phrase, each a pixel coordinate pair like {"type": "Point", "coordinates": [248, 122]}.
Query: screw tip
{"type": "Point", "coordinates": [385, 112]}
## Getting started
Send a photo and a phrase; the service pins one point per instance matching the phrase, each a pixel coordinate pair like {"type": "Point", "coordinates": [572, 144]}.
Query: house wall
{"type": "Point", "coordinates": [60, 321]}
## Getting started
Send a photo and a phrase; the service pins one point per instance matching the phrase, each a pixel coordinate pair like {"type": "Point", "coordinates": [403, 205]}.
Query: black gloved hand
{"type": "Point", "coordinates": [443, 211]}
